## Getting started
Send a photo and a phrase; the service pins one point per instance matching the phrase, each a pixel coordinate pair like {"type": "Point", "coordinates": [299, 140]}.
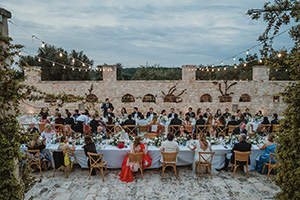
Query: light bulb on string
{"type": "Point", "coordinates": [43, 45]}
{"type": "Point", "coordinates": [233, 58]}
{"type": "Point", "coordinates": [53, 64]}
{"type": "Point", "coordinates": [279, 55]}
{"type": "Point", "coordinates": [73, 60]}
{"type": "Point", "coordinates": [83, 64]}
{"type": "Point", "coordinates": [212, 70]}
{"type": "Point", "coordinates": [39, 59]}
{"type": "Point", "coordinates": [222, 62]}
{"type": "Point", "coordinates": [86, 70]}
{"type": "Point", "coordinates": [245, 64]}
{"type": "Point", "coordinates": [64, 67]}
{"type": "Point", "coordinates": [218, 69]}
{"type": "Point", "coordinates": [207, 69]}
{"type": "Point", "coordinates": [260, 60]}
{"type": "Point", "coordinates": [19, 53]}
{"type": "Point", "coordinates": [235, 66]}
{"type": "Point", "coordinates": [213, 66]}
{"type": "Point", "coordinates": [60, 54]}
{"type": "Point", "coordinates": [72, 69]}
{"type": "Point", "coordinates": [90, 67]}
{"type": "Point", "coordinates": [247, 52]}
{"type": "Point", "coordinates": [224, 68]}
{"type": "Point", "coordinates": [276, 70]}
{"type": "Point", "coordinates": [79, 69]}
{"type": "Point", "coordinates": [286, 70]}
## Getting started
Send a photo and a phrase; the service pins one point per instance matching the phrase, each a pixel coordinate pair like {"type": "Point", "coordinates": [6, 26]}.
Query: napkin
{"type": "Point", "coordinates": [121, 146]}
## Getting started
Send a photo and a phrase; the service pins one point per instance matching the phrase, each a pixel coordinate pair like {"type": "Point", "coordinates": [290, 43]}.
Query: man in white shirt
{"type": "Point", "coordinates": [83, 118]}
{"type": "Point", "coordinates": [169, 145]}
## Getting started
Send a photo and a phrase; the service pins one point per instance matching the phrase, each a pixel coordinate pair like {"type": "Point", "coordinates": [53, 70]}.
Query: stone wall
{"type": "Point", "coordinates": [260, 89]}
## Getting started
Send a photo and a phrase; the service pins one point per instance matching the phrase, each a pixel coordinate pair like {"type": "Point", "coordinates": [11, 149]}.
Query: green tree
{"type": "Point", "coordinates": [285, 12]}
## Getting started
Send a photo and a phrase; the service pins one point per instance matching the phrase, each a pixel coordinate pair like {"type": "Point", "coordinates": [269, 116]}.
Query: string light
{"type": "Point", "coordinates": [207, 69]}
{"type": "Point", "coordinates": [90, 67]}
{"type": "Point", "coordinates": [286, 70]}
{"type": "Point", "coordinates": [233, 58]}
{"type": "Point", "coordinates": [19, 53]}
{"type": "Point", "coordinates": [43, 45]}
{"type": "Point", "coordinates": [39, 59]}
{"type": "Point", "coordinates": [60, 54]}
{"type": "Point", "coordinates": [64, 67]}
{"type": "Point", "coordinates": [247, 52]}
{"type": "Point", "coordinates": [218, 69]}
{"type": "Point", "coordinates": [222, 62]}
{"type": "Point", "coordinates": [86, 70]}
{"type": "Point", "coordinates": [276, 70]}
{"type": "Point", "coordinates": [79, 69]}
{"type": "Point", "coordinates": [245, 64]}
{"type": "Point", "coordinates": [235, 66]}
{"type": "Point", "coordinates": [53, 64]}
{"type": "Point", "coordinates": [83, 64]}
{"type": "Point", "coordinates": [260, 60]}
{"type": "Point", "coordinates": [213, 65]}
{"type": "Point", "coordinates": [224, 68]}
{"type": "Point", "coordinates": [212, 70]}
{"type": "Point", "coordinates": [73, 69]}
{"type": "Point", "coordinates": [73, 60]}
{"type": "Point", "coordinates": [279, 55]}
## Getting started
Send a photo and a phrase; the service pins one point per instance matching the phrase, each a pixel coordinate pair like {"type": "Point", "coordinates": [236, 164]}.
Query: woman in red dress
{"type": "Point", "coordinates": [128, 168]}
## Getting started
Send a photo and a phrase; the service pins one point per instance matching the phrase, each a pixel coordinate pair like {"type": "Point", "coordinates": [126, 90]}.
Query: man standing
{"type": "Point", "coordinates": [105, 106]}
{"type": "Point", "coordinates": [191, 114]}
{"type": "Point", "coordinates": [171, 115]}
{"type": "Point", "coordinates": [242, 146]}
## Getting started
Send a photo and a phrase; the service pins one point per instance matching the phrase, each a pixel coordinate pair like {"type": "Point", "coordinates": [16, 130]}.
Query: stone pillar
{"type": "Point", "coordinates": [260, 73]}
{"type": "Point", "coordinates": [4, 15]}
{"type": "Point", "coordinates": [109, 73]}
{"type": "Point", "coordinates": [189, 73]}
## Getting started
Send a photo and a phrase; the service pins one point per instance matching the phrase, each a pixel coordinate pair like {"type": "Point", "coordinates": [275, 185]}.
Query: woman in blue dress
{"type": "Point", "coordinates": [269, 147]}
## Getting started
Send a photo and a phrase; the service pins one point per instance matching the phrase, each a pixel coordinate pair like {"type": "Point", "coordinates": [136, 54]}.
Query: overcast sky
{"type": "Point", "coordinates": [135, 32]}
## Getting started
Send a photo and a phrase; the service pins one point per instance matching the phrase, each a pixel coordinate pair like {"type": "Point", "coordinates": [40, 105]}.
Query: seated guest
{"type": "Point", "coordinates": [69, 155]}
{"type": "Point", "coordinates": [44, 119]}
{"type": "Point", "coordinates": [240, 129]}
{"type": "Point", "coordinates": [187, 121]}
{"type": "Point", "coordinates": [37, 144]}
{"type": "Point", "coordinates": [238, 114]}
{"type": "Point", "coordinates": [247, 112]}
{"type": "Point", "coordinates": [87, 113]}
{"type": "Point", "coordinates": [232, 122]}
{"type": "Point", "coordinates": [48, 132]}
{"type": "Point", "coordinates": [268, 147]}
{"type": "Point", "coordinates": [129, 121]}
{"type": "Point", "coordinates": [182, 132]}
{"type": "Point", "coordinates": [259, 113]}
{"type": "Point", "coordinates": [142, 121]}
{"type": "Point", "coordinates": [207, 113]}
{"type": "Point", "coordinates": [172, 113]}
{"type": "Point", "coordinates": [175, 121]}
{"type": "Point", "coordinates": [127, 167]}
{"type": "Point", "coordinates": [154, 125]}
{"type": "Point", "coordinates": [94, 123]}
{"type": "Point", "coordinates": [265, 121]}
{"type": "Point", "coordinates": [150, 114]}
{"type": "Point", "coordinates": [261, 130]}
{"type": "Point", "coordinates": [107, 105]}
{"type": "Point", "coordinates": [109, 113]}
{"type": "Point", "coordinates": [82, 121]}
{"type": "Point", "coordinates": [120, 133]}
{"type": "Point", "coordinates": [56, 112]}
{"type": "Point", "coordinates": [69, 120]}
{"type": "Point", "coordinates": [43, 110]}
{"type": "Point", "coordinates": [209, 120]}
{"type": "Point", "coordinates": [90, 147]}
{"type": "Point", "coordinates": [226, 114]}
{"type": "Point", "coordinates": [123, 115]}
{"type": "Point", "coordinates": [275, 119]}
{"type": "Point", "coordinates": [242, 119]}
{"type": "Point", "coordinates": [199, 112]}
{"type": "Point", "coordinates": [191, 114]}
{"type": "Point", "coordinates": [76, 113]}
{"type": "Point", "coordinates": [32, 129]}
{"type": "Point", "coordinates": [59, 119]}
{"type": "Point", "coordinates": [67, 131]}
{"type": "Point", "coordinates": [218, 114]}
{"type": "Point", "coordinates": [169, 145]}
{"type": "Point", "coordinates": [212, 133]}
{"type": "Point", "coordinates": [200, 121]}
{"type": "Point", "coordinates": [66, 112]}
{"type": "Point", "coordinates": [136, 114]}
{"type": "Point", "coordinates": [110, 121]}
{"type": "Point", "coordinates": [100, 131]}
{"type": "Point", "coordinates": [221, 125]}
{"type": "Point", "coordinates": [163, 113]}
{"type": "Point", "coordinates": [242, 146]}
{"type": "Point", "coordinates": [202, 145]}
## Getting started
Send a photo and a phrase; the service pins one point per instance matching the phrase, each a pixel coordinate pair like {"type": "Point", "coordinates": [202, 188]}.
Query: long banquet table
{"type": "Point", "coordinates": [115, 156]}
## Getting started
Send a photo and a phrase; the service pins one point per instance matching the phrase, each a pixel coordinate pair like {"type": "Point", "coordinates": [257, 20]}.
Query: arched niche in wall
{"type": "Point", "coordinates": [50, 99]}
{"type": "Point", "coordinates": [149, 98]}
{"type": "Point", "coordinates": [71, 98]}
{"type": "Point", "coordinates": [91, 98]}
{"type": "Point", "coordinates": [206, 98]}
{"type": "Point", "coordinates": [245, 98]}
{"type": "Point", "coordinates": [127, 98]}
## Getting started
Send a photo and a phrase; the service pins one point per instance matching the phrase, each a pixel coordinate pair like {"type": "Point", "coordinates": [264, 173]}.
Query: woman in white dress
{"type": "Point", "coordinates": [202, 145]}
{"type": "Point", "coordinates": [120, 133]}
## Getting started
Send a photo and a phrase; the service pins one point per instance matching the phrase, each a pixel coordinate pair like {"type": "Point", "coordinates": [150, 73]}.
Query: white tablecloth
{"type": "Point", "coordinates": [115, 156]}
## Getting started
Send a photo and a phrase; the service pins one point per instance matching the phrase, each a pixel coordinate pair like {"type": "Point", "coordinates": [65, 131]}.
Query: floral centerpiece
{"type": "Point", "coordinates": [248, 118]}
{"type": "Point", "coordinates": [213, 141]}
{"type": "Point", "coordinates": [232, 139]}
{"type": "Point", "coordinates": [157, 141]}
{"type": "Point", "coordinates": [99, 138]}
{"type": "Point", "coordinates": [116, 141]}
{"type": "Point", "coordinates": [257, 118]}
{"type": "Point", "coordinates": [163, 119]}
{"type": "Point", "coordinates": [256, 139]}
{"type": "Point", "coordinates": [116, 120]}
{"type": "Point", "coordinates": [182, 140]}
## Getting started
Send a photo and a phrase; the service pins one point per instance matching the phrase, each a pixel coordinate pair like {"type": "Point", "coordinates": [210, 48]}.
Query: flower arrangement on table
{"type": "Point", "coordinates": [213, 141]}
{"type": "Point", "coordinates": [232, 139]}
{"type": "Point", "coordinates": [116, 141]}
{"type": "Point", "coordinates": [182, 140]}
{"type": "Point", "coordinates": [116, 120]}
{"type": "Point", "coordinates": [248, 118]}
{"type": "Point", "coordinates": [98, 138]}
{"type": "Point", "coordinates": [256, 139]}
{"type": "Point", "coordinates": [257, 118]}
{"type": "Point", "coordinates": [157, 141]}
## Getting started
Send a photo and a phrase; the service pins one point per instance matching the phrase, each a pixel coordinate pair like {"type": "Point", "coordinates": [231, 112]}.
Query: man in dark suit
{"type": "Point", "coordinates": [242, 146]}
{"type": "Point", "coordinates": [129, 121]}
{"type": "Point", "coordinates": [207, 113]}
{"type": "Point", "coordinates": [136, 114]}
{"type": "Point", "coordinates": [191, 114]}
{"type": "Point", "coordinates": [240, 129]}
{"type": "Point", "coordinates": [176, 121]}
{"type": "Point", "coordinates": [150, 114]}
{"type": "Point", "coordinates": [232, 122]}
{"type": "Point", "coordinates": [70, 120]}
{"type": "Point", "coordinates": [226, 114]}
{"type": "Point", "coordinates": [109, 113]}
{"type": "Point", "coordinates": [247, 112]}
{"type": "Point", "coordinates": [171, 115]}
{"type": "Point", "coordinates": [275, 119]}
{"type": "Point", "coordinates": [105, 106]}
{"type": "Point", "coordinates": [200, 121]}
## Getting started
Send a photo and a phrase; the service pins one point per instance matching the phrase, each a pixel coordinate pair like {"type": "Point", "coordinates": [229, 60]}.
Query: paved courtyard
{"type": "Point", "coordinates": [222, 186]}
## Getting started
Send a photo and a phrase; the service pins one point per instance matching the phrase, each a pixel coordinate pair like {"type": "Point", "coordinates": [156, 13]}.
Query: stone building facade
{"type": "Point", "coordinates": [258, 94]}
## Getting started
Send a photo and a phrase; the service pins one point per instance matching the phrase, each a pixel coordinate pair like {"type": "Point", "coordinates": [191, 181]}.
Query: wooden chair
{"type": "Point", "coordinates": [201, 129]}
{"type": "Point", "coordinates": [207, 162]}
{"type": "Point", "coordinates": [151, 136]}
{"type": "Point", "coordinates": [162, 130]}
{"type": "Point", "coordinates": [169, 159]}
{"type": "Point", "coordinates": [58, 128]}
{"type": "Point", "coordinates": [110, 130]}
{"type": "Point", "coordinates": [268, 128]}
{"type": "Point", "coordinates": [31, 159]}
{"type": "Point", "coordinates": [58, 158]}
{"type": "Point", "coordinates": [97, 164]}
{"type": "Point", "coordinates": [173, 128]}
{"type": "Point", "coordinates": [136, 158]}
{"type": "Point", "coordinates": [41, 127]}
{"type": "Point", "coordinates": [131, 130]}
{"type": "Point", "coordinates": [275, 127]}
{"type": "Point", "coordinates": [231, 128]}
{"type": "Point", "coordinates": [270, 165]}
{"type": "Point", "coordinates": [221, 130]}
{"type": "Point", "coordinates": [143, 129]}
{"type": "Point", "coordinates": [189, 129]}
{"type": "Point", "coordinates": [241, 157]}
